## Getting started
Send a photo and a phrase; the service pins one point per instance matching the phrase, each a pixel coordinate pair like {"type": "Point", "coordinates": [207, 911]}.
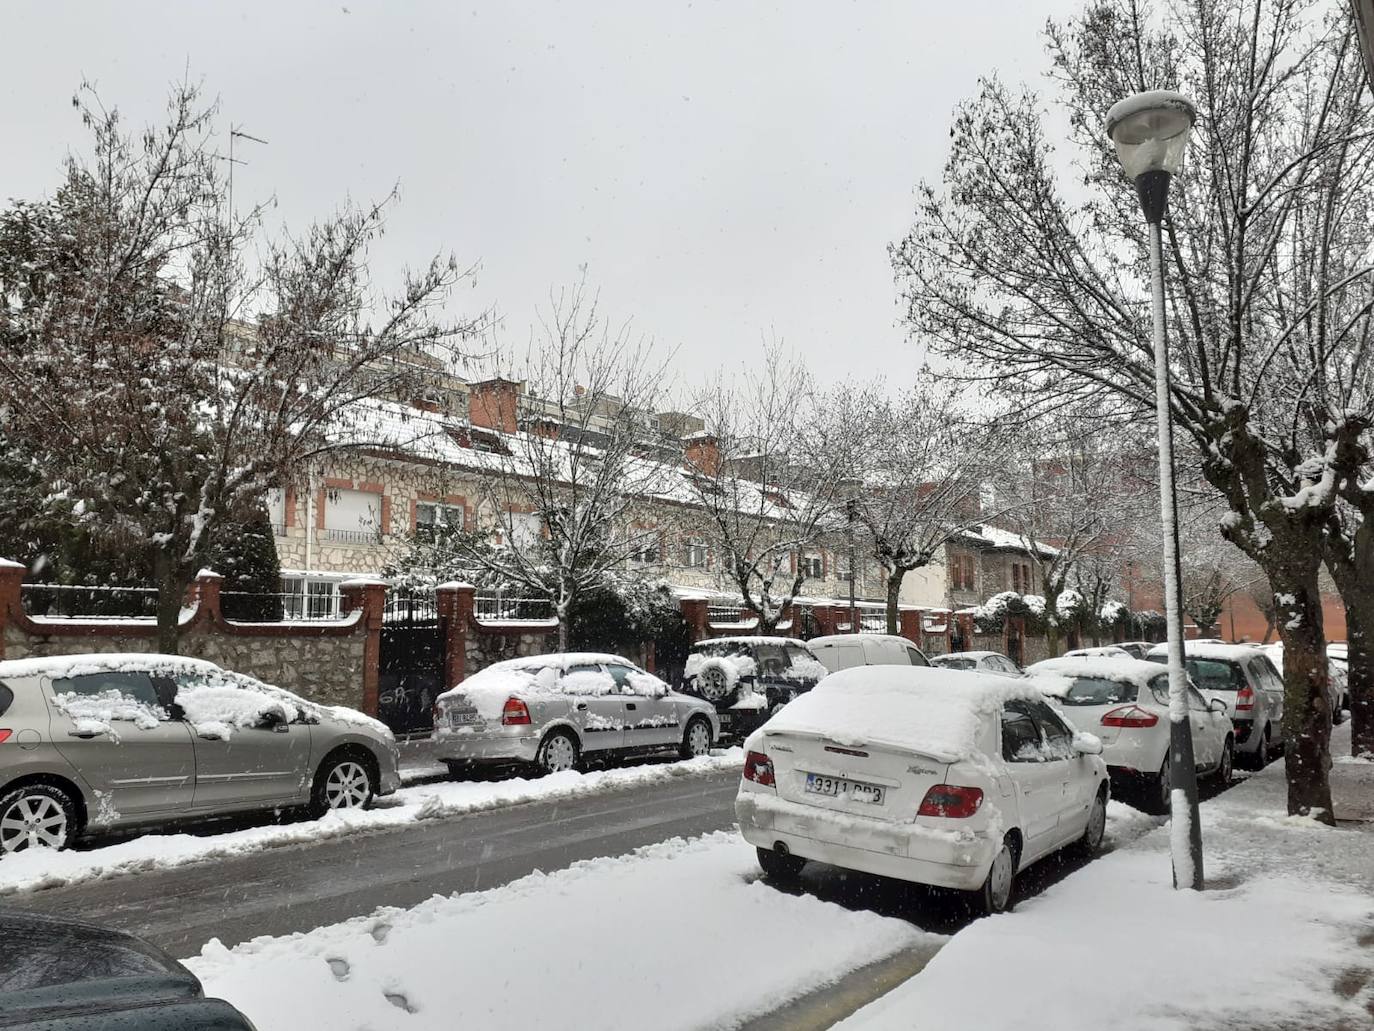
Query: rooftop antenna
{"type": "Point", "coordinates": [235, 134]}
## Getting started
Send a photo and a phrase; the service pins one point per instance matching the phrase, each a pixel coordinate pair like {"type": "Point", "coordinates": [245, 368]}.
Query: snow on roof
{"type": "Point", "coordinates": [1208, 650]}
{"type": "Point", "coordinates": [1054, 676]}
{"type": "Point", "coordinates": [98, 662]}
{"type": "Point", "coordinates": [996, 537]}
{"type": "Point", "coordinates": [936, 712]}
{"type": "Point", "coordinates": [964, 655]}
{"type": "Point", "coordinates": [830, 639]}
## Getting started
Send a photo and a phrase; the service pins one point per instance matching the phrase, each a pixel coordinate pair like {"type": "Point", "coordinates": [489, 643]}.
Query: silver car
{"type": "Point", "coordinates": [89, 742]}
{"type": "Point", "coordinates": [978, 662]}
{"type": "Point", "coordinates": [551, 711]}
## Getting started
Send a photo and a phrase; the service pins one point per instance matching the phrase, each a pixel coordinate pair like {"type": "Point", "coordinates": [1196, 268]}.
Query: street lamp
{"type": "Point", "coordinates": [1150, 131]}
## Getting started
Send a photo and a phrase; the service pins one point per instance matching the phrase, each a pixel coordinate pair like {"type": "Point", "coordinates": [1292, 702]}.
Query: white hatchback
{"type": "Point", "coordinates": [1125, 702]}
{"type": "Point", "coordinates": [934, 776]}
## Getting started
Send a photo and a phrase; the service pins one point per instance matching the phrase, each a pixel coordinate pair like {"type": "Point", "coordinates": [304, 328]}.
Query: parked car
{"type": "Point", "coordinates": [929, 775]}
{"type": "Point", "coordinates": [1336, 680]}
{"type": "Point", "coordinates": [1242, 676]}
{"type": "Point", "coordinates": [1136, 649]}
{"type": "Point", "coordinates": [978, 662]}
{"type": "Point", "coordinates": [1106, 650]}
{"type": "Point", "coordinates": [747, 679]}
{"type": "Point", "coordinates": [841, 651]}
{"type": "Point", "coordinates": [1339, 654]}
{"type": "Point", "coordinates": [1125, 702]}
{"type": "Point", "coordinates": [98, 741]}
{"type": "Point", "coordinates": [58, 974]}
{"type": "Point", "coordinates": [553, 711]}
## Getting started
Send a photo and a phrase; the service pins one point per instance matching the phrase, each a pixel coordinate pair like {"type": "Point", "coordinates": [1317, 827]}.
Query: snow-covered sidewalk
{"type": "Point", "coordinates": [681, 934]}
{"type": "Point", "coordinates": [1282, 938]}
{"type": "Point", "coordinates": [45, 869]}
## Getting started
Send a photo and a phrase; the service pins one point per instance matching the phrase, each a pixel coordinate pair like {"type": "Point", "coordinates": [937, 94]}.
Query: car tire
{"type": "Point", "coordinates": [458, 770]}
{"type": "Point", "coordinates": [1161, 788]}
{"type": "Point", "coordinates": [343, 781]}
{"type": "Point", "coordinates": [1259, 759]}
{"type": "Point", "coordinates": [696, 739]}
{"type": "Point", "coordinates": [713, 685]}
{"type": "Point", "coordinates": [1091, 841]}
{"type": "Point", "coordinates": [780, 866]}
{"type": "Point", "coordinates": [1227, 766]}
{"type": "Point", "coordinates": [37, 816]}
{"type": "Point", "coordinates": [557, 753]}
{"type": "Point", "coordinates": [995, 894]}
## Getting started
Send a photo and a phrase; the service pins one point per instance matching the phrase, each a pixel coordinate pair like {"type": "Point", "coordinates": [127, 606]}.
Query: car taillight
{"type": "Point", "coordinates": [1245, 699]}
{"type": "Point", "coordinates": [4, 735]}
{"type": "Point", "coordinates": [759, 768]}
{"type": "Point", "coordinates": [952, 801]}
{"type": "Point", "coordinates": [1129, 716]}
{"type": "Point", "coordinates": [515, 713]}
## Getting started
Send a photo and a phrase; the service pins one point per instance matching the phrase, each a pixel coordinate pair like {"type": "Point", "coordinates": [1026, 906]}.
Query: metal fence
{"type": "Point", "coordinates": [725, 614]}
{"type": "Point", "coordinates": [410, 606]}
{"type": "Point", "coordinates": [67, 601]}
{"type": "Point", "coordinates": [266, 607]}
{"type": "Point", "coordinates": [501, 607]}
{"type": "Point", "coordinates": [352, 536]}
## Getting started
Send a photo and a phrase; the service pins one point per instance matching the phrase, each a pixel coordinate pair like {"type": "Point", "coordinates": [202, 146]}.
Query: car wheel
{"type": "Point", "coordinates": [696, 740]}
{"type": "Point", "coordinates": [557, 753]}
{"type": "Point", "coordinates": [714, 686]}
{"type": "Point", "coordinates": [1227, 766]}
{"type": "Point", "coordinates": [1163, 788]}
{"type": "Point", "coordinates": [343, 782]}
{"type": "Point", "coordinates": [36, 816]}
{"type": "Point", "coordinates": [995, 894]}
{"type": "Point", "coordinates": [1260, 759]}
{"type": "Point", "coordinates": [1097, 825]}
{"type": "Point", "coordinates": [780, 866]}
{"type": "Point", "coordinates": [458, 770]}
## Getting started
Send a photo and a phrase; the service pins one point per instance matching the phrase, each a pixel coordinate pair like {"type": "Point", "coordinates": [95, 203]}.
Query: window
{"type": "Point", "coordinates": [1213, 675]}
{"type": "Point", "coordinates": [276, 510]}
{"type": "Point", "coordinates": [1020, 736]}
{"type": "Point", "coordinates": [962, 573]}
{"type": "Point", "coordinates": [1100, 691]}
{"type": "Point", "coordinates": [435, 518]}
{"type": "Point", "coordinates": [1264, 676]}
{"type": "Point", "coordinates": [646, 550]}
{"type": "Point", "coordinates": [694, 554]}
{"type": "Point", "coordinates": [525, 529]}
{"type": "Point", "coordinates": [811, 566]}
{"type": "Point", "coordinates": [915, 657]}
{"type": "Point", "coordinates": [304, 598]}
{"type": "Point", "coordinates": [1058, 736]}
{"type": "Point", "coordinates": [621, 675]}
{"type": "Point", "coordinates": [352, 516]}
{"type": "Point", "coordinates": [114, 695]}
{"type": "Point", "coordinates": [844, 566]}
{"type": "Point", "coordinates": [772, 660]}
{"type": "Point", "coordinates": [1195, 701]}
{"type": "Point", "coordinates": [1159, 687]}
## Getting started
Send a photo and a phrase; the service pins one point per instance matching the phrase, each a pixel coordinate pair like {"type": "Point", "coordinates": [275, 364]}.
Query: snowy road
{"type": "Point", "coordinates": [297, 888]}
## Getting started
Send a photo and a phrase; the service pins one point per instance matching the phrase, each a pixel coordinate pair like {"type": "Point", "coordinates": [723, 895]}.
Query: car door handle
{"type": "Point", "coordinates": [581, 705]}
{"type": "Point", "coordinates": [629, 705]}
{"type": "Point", "coordinates": [82, 733]}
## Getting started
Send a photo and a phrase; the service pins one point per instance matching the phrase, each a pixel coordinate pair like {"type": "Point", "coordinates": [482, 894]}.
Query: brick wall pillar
{"type": "Point", "coordinates": [695, 611]}
{"type": "Point", "coordinates": [456, 602]}
{"type": "Point", "coordinates": [370, 597]}
{"type": "Point", "coordinates": [207, 587]}
{"type": "Point", "coordinates": [11, 578]}
{"type": "Point", "coordinates": [909, 625]}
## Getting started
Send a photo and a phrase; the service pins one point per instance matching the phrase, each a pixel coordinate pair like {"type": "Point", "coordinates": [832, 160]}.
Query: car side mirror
{"type": "Point", "coordinates": [1087, 744]}
{"type": "Point", "coordinates": [271, 719]}
{"type": "Point", "coordinates": [1217, 705]}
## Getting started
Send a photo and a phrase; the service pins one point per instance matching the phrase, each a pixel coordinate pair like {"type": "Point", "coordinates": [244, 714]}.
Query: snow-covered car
{"type": "Point", "coordinates": [747, 679]}
{"type": "Point", "coordinates": [1106, 650]}
{"type": "Point", "coordinates": [1335, 679]}
{"type": "Point", "coordinates": [59, 974]}
{"type": "Point", "coordinates": [929, 775]}
{"type": "Point", "coordinates": [841, 651]}
{"type": "Point", "coordinates": [552, 711]}
{"type": "Point", "coordinates": [1125, 702]}
{"type": "Point", "coordinates": [90, 742]}
{"type": "Point", "coordinates": [1339, 654]}
{"type": "Point", "coordinates": [1136, 649]}
{"type": "Point", "coordinates": [1242, 676]}
{"type": "Point", "coordinates": [978, 662]}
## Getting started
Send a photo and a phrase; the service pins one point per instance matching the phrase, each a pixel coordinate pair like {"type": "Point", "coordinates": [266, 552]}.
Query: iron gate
{"type": "Point", "coordinates": [411, 661]}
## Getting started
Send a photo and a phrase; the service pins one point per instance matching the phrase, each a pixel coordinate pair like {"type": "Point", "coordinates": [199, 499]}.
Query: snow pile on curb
{"type": "Point", "coordinates": [42, 868]}
{"type": "Point", "coordinates": [549, 951]}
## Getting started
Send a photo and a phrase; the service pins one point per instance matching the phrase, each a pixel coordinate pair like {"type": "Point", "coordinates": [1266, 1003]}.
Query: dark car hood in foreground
{"type": "Point", "coordinates": [64, 975]}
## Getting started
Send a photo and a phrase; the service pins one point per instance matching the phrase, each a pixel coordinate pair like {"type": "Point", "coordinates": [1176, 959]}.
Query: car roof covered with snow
{"type": "Point", "coordinates": [1106, 649]}
{"type": "Point", "coordinates": [1212, 650]}
{"type": "Point", "coordinates": [98, 662]}
{"type": "Point", "coordinates": [834, 639]}
{"type": "Point", "coordinates": [559, 659]}
{"type": "Point", "coordinates": [750, 641]}
{"type": "Point", "coordinates": [964, 655]}
{"type": "Point", "coordinates": [937, 712]}
{"type": "Point", "coordinates": [1054, 676]}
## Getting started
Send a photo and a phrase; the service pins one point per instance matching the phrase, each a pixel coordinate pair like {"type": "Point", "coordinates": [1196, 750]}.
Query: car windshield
{"type": "Point", "coordinates": [954, 663]}
{"type": "Point", "coordinates": [1099, 691]}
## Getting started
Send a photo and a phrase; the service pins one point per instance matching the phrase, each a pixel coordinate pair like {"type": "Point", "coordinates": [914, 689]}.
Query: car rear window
{"type": "Point", "coordinates": [1215, 675]}
{"type": "Point", "coordinates": [955, 663]}
{"type": "Point", "coordinates": [6, 697]}
{"type": "Point", "coordinates": [836, 657]}
{"type": "Point", "coordinates": [1099, 691]}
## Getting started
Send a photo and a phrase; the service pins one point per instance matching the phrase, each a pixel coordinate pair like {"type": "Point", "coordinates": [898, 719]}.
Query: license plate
{"type": "Point", "coordinates": [462, 719]}
{"type": "Point", "coordinates": [819, 784]}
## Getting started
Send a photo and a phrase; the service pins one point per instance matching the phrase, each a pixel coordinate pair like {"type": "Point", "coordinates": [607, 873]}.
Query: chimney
{"type": "Point", "coordinates": [492, 403]}
{"type": "Point", "coordinates": [702, 451]}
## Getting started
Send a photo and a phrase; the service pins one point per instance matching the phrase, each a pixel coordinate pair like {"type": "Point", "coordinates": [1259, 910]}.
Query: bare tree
{"type": "Point", "coordinates": [918, 471]}
{"type": "Point", "coordinates": [159, 383]}
{"type": "Point", "coordinates": [565, 490]}
{"type": "Point", "coordinates": [1270, 286]}
{"type": "Point", "coordinates": [768, 481]}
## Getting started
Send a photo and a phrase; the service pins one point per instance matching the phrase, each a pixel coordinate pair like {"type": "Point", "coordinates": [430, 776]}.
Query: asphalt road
{"type": "Point", "coordinates": [300, 887]}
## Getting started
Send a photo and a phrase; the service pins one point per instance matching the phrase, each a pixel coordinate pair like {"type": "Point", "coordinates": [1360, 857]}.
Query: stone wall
{"type": "Point", "coordinates": [334, 663]}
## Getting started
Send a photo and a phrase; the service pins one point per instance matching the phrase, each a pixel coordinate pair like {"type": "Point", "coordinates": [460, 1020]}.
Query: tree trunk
{"type": "Point", "coordinates": [894, 591]}
{"type": "Point", "coordinates": [1052, 624]}
{"type": "Point", "coordinates": [171, 592]}
{"type": "Point", "coordinates": [1306, 709]}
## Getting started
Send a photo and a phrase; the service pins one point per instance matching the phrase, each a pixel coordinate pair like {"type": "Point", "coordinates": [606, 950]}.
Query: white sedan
{"type": "Point", "coordinates": [979, 662]}
{"type": "Point", "coordinates": [935, 776]}
{"type": "Point", "coordinates": [1125, 702]}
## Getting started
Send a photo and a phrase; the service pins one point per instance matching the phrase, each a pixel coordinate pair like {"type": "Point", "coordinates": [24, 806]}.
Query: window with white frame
{"type": "Point", "coordinates": [526, 528]}
{"type": "Point", "coordinates": [306, 597]}
{"type": "Point", "coordinates": [352, 515]}
{"type": "Point", "coordinates": [435, 518]}
{"type": "Point", "coordinates": [811, 565]}
{"type": "Point", "coordinates": [695, 554]}
{"type": "Point", "coordinates": [276, 510]}
{"type": "Point", "coordinates": [646, 548]}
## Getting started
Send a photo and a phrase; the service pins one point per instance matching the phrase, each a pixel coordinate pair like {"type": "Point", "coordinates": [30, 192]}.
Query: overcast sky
{"type": "Point", "coordinates": [727, 171]}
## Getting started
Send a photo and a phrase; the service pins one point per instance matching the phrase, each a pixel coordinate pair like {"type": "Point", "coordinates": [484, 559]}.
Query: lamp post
{"type": "Point", "coordinates": [1150, 131]}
